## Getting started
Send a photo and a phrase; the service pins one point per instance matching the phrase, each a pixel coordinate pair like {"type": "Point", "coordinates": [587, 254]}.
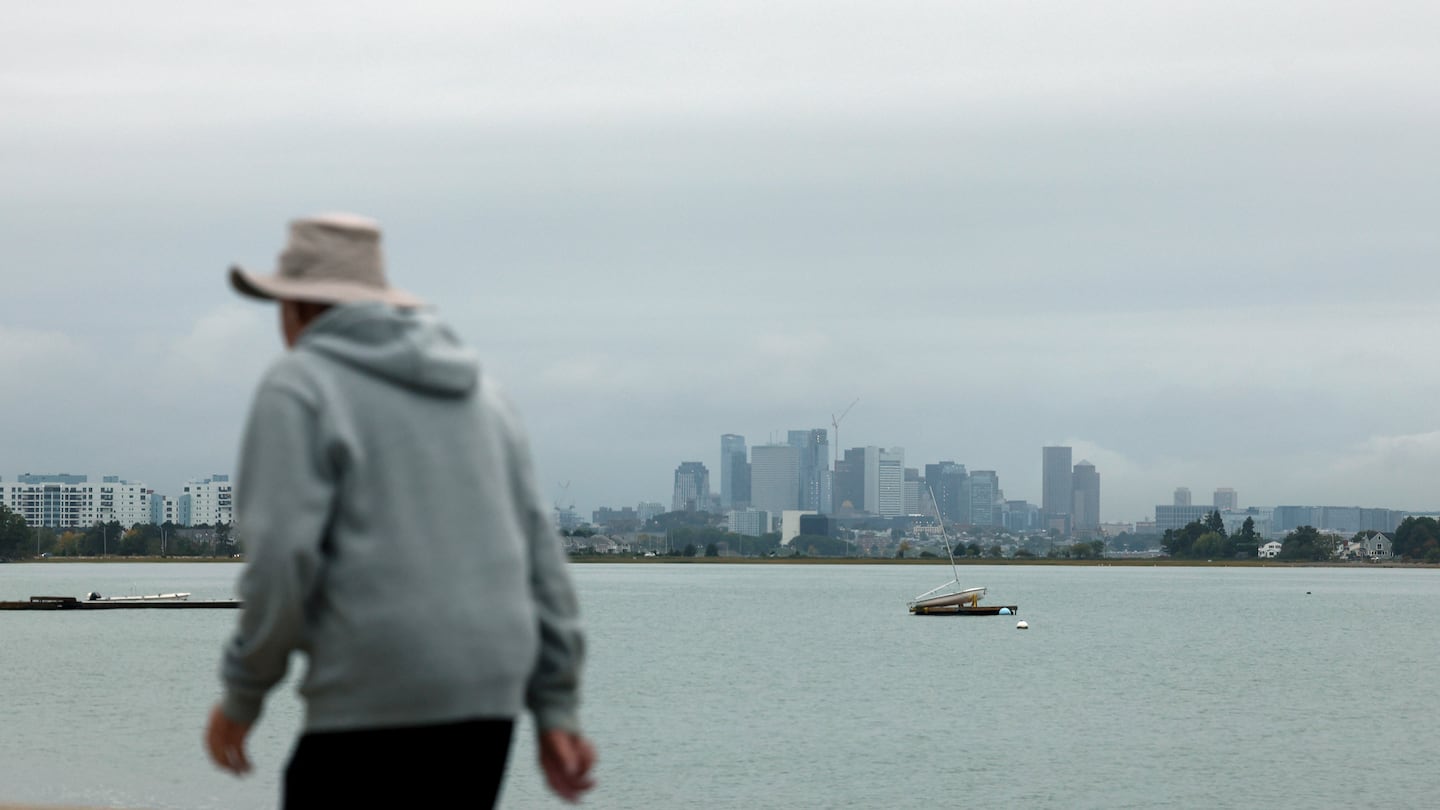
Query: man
{"type": "Point", "coordinates": [394, 534]}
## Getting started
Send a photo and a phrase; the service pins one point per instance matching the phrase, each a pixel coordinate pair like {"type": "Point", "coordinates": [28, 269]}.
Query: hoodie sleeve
{"type": "Point", "coordinates": [553, 692]}
{"type": "Point", "coordinates": [283, 498]}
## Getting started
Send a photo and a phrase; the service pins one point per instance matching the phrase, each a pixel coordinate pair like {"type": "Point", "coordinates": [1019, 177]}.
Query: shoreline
{"type": "Point", "coordinates": [1145, 562]}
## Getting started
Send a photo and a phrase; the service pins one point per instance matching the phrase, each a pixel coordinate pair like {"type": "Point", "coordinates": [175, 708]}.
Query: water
{"type": "Point", "coordinates": [809, 686]}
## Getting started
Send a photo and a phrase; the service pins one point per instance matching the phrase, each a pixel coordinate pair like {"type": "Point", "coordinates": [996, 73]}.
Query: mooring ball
{"type": "Point", "coordinates": [1022, 625]}
{"type": "Point", "coordinates": [1004, 611]}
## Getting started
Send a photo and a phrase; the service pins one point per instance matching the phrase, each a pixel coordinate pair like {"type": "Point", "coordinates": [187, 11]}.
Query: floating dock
{"type": "Point", "coordinates": [71, 603]}
{"type": "Point", "coordinates": [966, 610]}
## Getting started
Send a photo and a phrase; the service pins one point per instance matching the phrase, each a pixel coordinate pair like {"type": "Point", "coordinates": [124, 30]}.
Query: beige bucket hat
{"type": "Point", "coordinates": [330, 259]}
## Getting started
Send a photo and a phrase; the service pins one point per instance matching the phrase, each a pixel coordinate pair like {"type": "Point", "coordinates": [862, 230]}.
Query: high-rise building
{"type": "Point", "coordinates": [814, 445]}
{"type": "Point", "coordinates": [692, 488]}
{"type": "Point", "coordinates": [1085, 512]}
{"type": "Point", "coordinates": [885, 481]}
{"type": "Point", "coordinates": [1226, 499]}
{"type": "Point", "coordinates": [947, 480]}
{"type": "Point", "coordinates": [848, 487]}
{"type": "Point", "coordinates": [985, 498]}
{"type": "Point", "coordinates": [915, 501]}
{"type": "Point", "coordinates": [1020, 516]}
{"type": "Point", "coordinates": [1056, 495]}
{"type": "Point", "coordinates": [206, 502]}
{"type": "Point", "coordinates": [775, 477]}
{"type": "Point", "coordinates": [72, 501]}
{"type": "Point", "coordinates": [734, 472]}
{"type": "Point", "coordinates": [1182, 496]}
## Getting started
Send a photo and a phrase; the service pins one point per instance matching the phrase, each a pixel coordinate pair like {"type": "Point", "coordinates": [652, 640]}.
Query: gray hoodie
{"type": "Point", "coordinates": [394, 534]}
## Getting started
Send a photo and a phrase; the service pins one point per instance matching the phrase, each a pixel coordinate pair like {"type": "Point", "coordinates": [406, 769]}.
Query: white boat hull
{"type": "Point", "coordinates": [969, 596]}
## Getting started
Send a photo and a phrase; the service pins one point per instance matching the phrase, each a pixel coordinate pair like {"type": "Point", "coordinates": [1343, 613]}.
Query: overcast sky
{"type": "Point", "coordinates": [1196, 241]}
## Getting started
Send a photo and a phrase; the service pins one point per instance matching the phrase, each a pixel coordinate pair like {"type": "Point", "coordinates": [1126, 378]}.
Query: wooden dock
{"type": "Point", "coordinates": [965, 610]}
{"type": "Point", "coordinates": [71, 603]}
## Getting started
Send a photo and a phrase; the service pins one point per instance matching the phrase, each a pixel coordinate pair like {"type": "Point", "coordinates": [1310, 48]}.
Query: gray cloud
{"type": "Point", "coordinates": [1197, 242]}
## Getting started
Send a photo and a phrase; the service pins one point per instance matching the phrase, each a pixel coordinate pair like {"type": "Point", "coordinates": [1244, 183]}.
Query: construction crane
{"type": "Point", "coordinates": [560, 511]}
{"type": "Point", "coordinates": [835, 423]}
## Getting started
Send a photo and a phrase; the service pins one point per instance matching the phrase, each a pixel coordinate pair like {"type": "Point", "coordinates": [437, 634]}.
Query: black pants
{"type": "Point", "coordinates": [450, 765]}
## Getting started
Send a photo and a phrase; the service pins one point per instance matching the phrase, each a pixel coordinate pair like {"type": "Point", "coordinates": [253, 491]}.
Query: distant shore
{"type": "Point", "coordinates": [124, 560]}
{"type": "Point", "coordinates": [1129, 562]}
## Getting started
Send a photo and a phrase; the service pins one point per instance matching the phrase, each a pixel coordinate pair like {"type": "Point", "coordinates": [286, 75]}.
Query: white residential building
{"type": "Point", "coordinates": [1270, 550]}
{"type": "Point", "coordinates": [208, 501]}
{"type": "Point", "coordinates": [73, 501]}
{"type": "Point", "coordinates": [163, 509]}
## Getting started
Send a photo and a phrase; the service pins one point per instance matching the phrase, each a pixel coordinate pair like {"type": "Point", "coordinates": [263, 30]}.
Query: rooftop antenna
{"type": "Point", "coordinates": [835, 422]}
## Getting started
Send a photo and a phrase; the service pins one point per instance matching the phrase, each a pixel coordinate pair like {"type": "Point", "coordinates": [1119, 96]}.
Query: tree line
{"type": "Point", "coordinates": [1417, 539]}
{"type": "Point", "coordinates": [18, 540]}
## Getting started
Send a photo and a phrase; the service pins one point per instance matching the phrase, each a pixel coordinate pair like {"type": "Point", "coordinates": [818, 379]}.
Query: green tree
{"type": "Point", "coordinates": [689, 550]}
{"type": "Point", "coordinates": [1306, 543]}
{"type": "Point", "coordinates": [1247, 542]}
{"type": "Point", "coordinates": [995, 551]}
{"type": "Point", "coordinates": [1181, 542]}
{"type": "Point", "coordinates": [1417, 539]}
{"type": "Point", "coordinates": [15, 537]}
{"type": "Point", "coordinates": [1215, 523]}
{"type": "Point", "coordinates": [712, 550]}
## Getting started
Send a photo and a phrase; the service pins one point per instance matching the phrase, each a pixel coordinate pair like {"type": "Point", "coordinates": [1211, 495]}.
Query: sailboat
{"type": "Point", "coordinates": [951, 594]}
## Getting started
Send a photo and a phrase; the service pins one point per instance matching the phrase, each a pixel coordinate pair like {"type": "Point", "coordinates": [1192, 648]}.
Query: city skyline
{"type": "Point", "coordinates": [1195, 251]}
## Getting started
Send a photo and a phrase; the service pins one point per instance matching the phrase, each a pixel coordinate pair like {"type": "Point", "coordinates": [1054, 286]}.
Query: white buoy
{"type": "Point", "coordinates": [1022, 625]}
{"type": "Point", "coordinates": [1004, 611]}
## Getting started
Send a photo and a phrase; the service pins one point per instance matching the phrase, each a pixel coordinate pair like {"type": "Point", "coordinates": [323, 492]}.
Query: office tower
{"type": "Point", "coordinates": [915, 502]}
{"type": "Point", "coordinates": [775, 477]}
{"type": "Point", "coordinates": [733, 467]}
{"type": "Point", "coordinates": [1085, 511]}
{"type": "Point", "coordinates": [1226, 499]}
{"type": "Point", "coordinates": [1182, 496]}
{"type": "Point", "coordinates": [885, 481]}
{"type": "Point", "coordinates": [947, 480]}
{"type": "Point", "coordinates": [1056, 496]}
{"type": "Point", "coordinates": [983, 487]}
{"type": "Point", "coordinates": [692, 488]}
{"type": "Point", "coordinates": [848, 486]}
{"type": "Point", "coordinates": [814, 445]}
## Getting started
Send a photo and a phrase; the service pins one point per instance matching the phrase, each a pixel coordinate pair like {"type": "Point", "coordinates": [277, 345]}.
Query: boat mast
{"type": "Point", "coordinates": [943, 538]}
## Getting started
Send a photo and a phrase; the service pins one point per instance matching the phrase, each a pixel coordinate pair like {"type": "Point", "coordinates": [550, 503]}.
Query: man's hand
{"type": "Point", "coordinates": [225, 740]}
{"type": "Point", "coordinates": [566, 758]}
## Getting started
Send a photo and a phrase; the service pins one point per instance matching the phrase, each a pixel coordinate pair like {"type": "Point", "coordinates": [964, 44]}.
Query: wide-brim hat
{"type": "Point", "coordinates": [330, 259]}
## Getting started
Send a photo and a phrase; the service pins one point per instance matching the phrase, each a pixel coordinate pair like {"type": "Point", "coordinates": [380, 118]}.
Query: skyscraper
{"type": "Point", "coordinates": [947, 480]}
{"type": "Point", "coordinates": [984, 490]}
{"type": "Point", "coordinates": [814, 447]}
{"type": "Point", "coordinates": [732, 462]}
{"type": "Point", "coordinates": [692, 488]}
{"type": "Point", "coordinates": [775, 477]}
{"type": "Point", "coordinates": [1226, 499]}
{"type": "Point", "coordinates": [885, 481]}
{"type": "Point", "coordinates": [848, 485]}
{"type": "Point", "coordinates": [1056, 494]}
{"type": "Point", "coordinates": [1182, 496]}
{"type": "Point", "coordinates": [1085, 511]}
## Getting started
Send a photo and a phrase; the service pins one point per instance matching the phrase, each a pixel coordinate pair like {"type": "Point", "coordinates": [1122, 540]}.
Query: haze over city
{"type": "Point", "coordinates": [1196, 243]}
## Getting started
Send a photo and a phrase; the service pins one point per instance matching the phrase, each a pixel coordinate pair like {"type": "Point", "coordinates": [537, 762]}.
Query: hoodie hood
{"type": "Point", "coordinates": [409, 347]}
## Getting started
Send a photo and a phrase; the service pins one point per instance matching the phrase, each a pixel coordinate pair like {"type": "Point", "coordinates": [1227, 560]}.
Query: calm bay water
{"type": "Point", "coordinates": [809, 686]}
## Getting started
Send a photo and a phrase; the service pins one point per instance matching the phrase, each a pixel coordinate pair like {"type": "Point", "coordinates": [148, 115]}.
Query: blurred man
{"type": "Point", "coordinates": [394, 534]}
